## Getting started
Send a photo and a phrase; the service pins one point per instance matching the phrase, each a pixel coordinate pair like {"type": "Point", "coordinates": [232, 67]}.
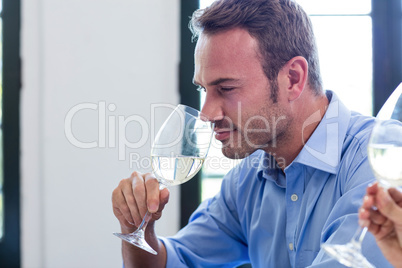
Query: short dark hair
{"type": "Point", "coordinates": [282, 28]}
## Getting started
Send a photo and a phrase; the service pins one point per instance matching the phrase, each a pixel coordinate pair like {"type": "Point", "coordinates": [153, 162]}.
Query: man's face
{"type": "Point", "coordinates": [228, 67]}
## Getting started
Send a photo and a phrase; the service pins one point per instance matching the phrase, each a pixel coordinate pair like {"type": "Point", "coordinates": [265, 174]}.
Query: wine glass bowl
{"type": "Point", "coordinates": [384, 154]}
{"type": "Point", "coordinates": [385, 151]}
{"type": "Point", "coordinates": [177, 154]}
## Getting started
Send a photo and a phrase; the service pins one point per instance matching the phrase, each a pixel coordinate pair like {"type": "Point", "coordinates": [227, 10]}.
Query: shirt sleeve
{"type": "Point", "coordinates": [213, 236]}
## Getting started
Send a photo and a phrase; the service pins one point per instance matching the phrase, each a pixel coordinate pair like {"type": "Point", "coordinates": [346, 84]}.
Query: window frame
{"type": "Point", "coordinates": [10, 252]}
{"type": "Point", "coordinates": [190, 192]}
{"type": "Point", "coordinates": [387, 49]}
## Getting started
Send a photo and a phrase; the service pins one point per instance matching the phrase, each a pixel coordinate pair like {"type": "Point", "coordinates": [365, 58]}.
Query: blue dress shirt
{"type": "Point", "coordinates": [274, 218]}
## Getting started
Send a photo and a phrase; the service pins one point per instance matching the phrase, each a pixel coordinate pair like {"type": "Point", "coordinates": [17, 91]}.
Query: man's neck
{"type": "Point", "coordinates": [308, 113]}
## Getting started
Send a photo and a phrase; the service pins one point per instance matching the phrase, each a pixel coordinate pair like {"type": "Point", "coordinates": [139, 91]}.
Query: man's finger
{"type": "Point", "coordinates": [138, 189]}
{"type": "Point", "coordinates": [152, 188]}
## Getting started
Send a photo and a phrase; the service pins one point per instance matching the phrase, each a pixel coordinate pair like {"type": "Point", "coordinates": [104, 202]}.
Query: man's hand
{"type": "Point", "coordinates": [136, 195]}
{"type": "Point", "coordinates": [131, 200]}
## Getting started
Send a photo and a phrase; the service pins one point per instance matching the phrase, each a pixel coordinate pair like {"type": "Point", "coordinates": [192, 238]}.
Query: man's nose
{"type": "Point", "coordinates": [212, 109]}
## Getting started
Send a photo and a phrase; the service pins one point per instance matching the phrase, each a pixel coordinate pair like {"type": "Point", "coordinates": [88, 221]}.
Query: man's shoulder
{"type": "Point", "coordinates": [359, 128]}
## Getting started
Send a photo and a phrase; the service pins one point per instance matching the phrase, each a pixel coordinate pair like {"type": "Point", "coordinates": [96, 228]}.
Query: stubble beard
{"type": "Point", "coordinates": [268, 130]}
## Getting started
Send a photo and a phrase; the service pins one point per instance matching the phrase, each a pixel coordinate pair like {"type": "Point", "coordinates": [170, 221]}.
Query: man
{"type": "Point", "coordinates": [305, 165]}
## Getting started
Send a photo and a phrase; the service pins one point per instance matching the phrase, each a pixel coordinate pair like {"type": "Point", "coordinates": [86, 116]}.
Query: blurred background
{"type": "Point", "coordinates": [85, 85]}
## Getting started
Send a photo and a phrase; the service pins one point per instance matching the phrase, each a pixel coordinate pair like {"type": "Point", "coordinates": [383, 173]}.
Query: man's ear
{"type": "Point", "coordinates": [294, 76]}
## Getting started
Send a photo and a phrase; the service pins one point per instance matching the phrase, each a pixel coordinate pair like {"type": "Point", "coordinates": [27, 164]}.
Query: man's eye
{"type": "Point", "coordinates": [226, 89]}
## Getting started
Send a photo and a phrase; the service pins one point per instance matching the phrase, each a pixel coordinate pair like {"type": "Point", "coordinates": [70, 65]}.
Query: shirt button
{"type": "Point", "coordinates": [294, 197]}
{"type": "Point", "coordinates": [291, 246]}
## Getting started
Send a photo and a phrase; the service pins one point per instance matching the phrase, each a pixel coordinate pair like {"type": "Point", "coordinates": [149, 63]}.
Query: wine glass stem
{"type": "Point", "coordinates": [144, 222]}
{"type": "Point", "coordinates": [359, 236]}
{"type": "Point", "coordinates": [148, 215]}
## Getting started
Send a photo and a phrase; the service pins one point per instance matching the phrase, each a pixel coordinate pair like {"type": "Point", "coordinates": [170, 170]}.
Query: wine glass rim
{"type": "Point", "coordinates": [193, 112]}
{"type": "Point", "coordinates": [384, 113]}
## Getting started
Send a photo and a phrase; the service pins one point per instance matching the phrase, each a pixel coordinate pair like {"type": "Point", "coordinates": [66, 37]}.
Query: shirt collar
{"type": "Point", "coordinates": [323, 149]}
{"type": "Point", "coordinates": [269, 169]}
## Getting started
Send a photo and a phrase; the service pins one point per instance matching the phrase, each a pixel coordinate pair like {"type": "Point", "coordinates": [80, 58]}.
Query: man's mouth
{"type": "Point", "coordinates": [223, 133]}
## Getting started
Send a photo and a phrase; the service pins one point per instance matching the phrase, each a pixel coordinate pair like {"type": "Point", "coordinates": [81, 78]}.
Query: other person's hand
{"type": "Point", "coordinates": [381, 212]}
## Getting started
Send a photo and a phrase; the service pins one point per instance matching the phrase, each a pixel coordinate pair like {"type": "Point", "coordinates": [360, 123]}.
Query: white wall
{"type": "Point", "coordinates": [122, 53]}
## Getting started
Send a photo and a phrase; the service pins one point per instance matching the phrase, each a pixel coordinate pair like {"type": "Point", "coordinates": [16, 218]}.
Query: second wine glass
{"type": "Point", "coordinates": [178, 152]}
{"type": "Point", "coordinates": [385, 154]}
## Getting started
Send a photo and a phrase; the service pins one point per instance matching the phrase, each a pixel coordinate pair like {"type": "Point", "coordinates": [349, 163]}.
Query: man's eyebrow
{"type": "Point", "coordinates": [217, 81]}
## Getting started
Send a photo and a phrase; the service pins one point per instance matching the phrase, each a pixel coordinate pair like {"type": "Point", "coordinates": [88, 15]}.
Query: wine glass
{"type": "Point", "coordinates": [177, 154]}
{"type": "Point", "coordinates": [385, 154]}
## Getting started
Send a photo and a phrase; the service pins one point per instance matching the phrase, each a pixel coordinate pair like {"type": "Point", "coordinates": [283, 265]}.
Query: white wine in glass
{"type": "Point", "coordinates": [178, 152]}
{"type": "Point", "coordinates": [380, 159]}
{"type": "Point", "coordinates": [175, 170]}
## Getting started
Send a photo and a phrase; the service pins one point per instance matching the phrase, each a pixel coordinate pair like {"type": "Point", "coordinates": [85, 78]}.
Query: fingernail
{"type": "Point", "coordinates": [363, 223]}
{"type": "Point", "coordinates": [152, 208]}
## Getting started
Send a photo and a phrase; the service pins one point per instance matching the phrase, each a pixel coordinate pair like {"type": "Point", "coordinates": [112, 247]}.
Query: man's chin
{"type": "Point", "coordinates": [235, 153]}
